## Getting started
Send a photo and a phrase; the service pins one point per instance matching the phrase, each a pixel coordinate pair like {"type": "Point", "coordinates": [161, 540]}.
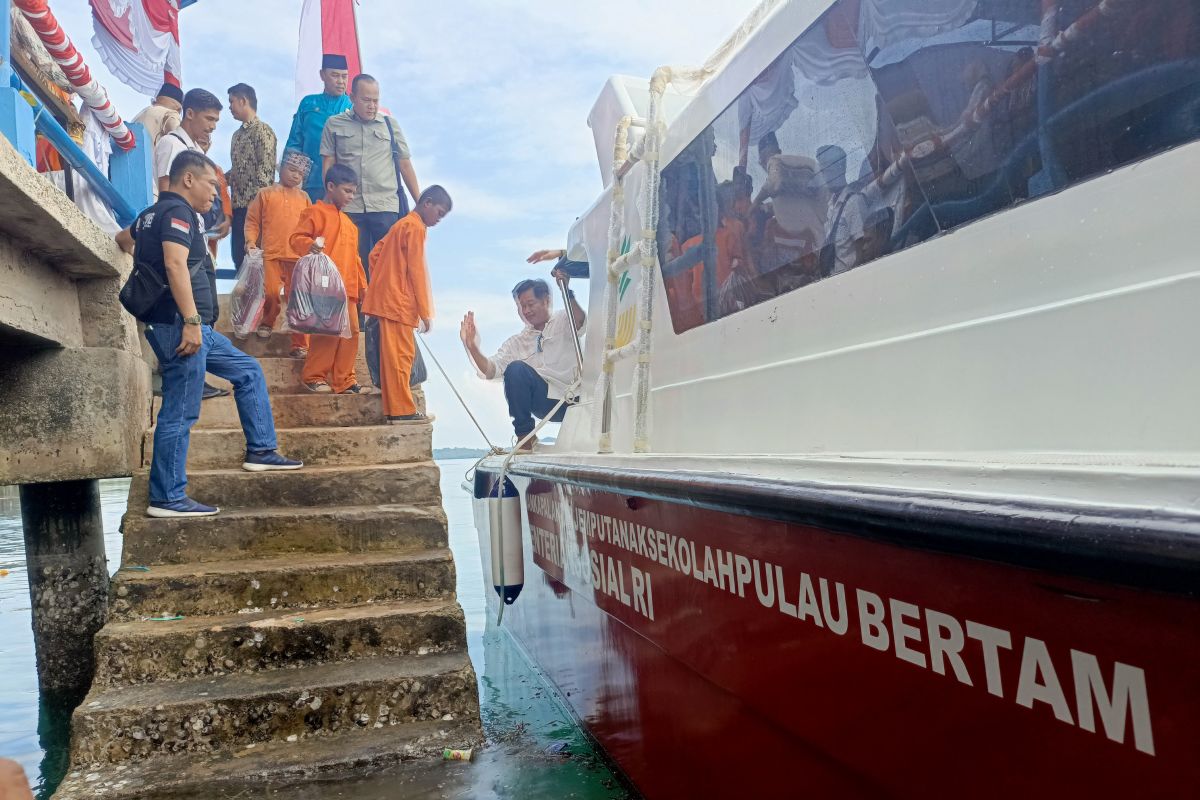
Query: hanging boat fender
{"type": "Point", "coordinates": [503, 503]}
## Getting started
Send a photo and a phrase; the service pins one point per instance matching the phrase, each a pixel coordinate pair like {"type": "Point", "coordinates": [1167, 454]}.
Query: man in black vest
{"type": "Point", "coordinates": [166, 240]}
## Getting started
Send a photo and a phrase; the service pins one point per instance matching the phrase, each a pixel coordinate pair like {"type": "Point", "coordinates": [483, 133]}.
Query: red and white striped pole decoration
{"type": "Point", "coordinates": [66, 56]}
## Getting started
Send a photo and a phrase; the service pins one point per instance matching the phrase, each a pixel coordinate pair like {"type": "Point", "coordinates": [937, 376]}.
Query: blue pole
{"type": "Point", "coordinates": [48, 126]}
{"type": "Point", "coordinates": [16, 119]}
{"type": "Point", "coordinates": [5, 44]}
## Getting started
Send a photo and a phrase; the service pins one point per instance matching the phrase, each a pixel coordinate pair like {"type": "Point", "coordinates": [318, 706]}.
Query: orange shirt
{"type": "Point", "coordinates": [272, 218]}
{"type": "Point", "coordinates": [731, 246]}
{"type": "Point", "coordinates": [341, 244]}
{"type": "Point", "coordinates": [399, 280]}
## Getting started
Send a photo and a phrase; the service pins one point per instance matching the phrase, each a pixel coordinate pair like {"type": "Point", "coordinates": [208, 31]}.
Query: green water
{"type": "Point", "coordinates": [534, 750]}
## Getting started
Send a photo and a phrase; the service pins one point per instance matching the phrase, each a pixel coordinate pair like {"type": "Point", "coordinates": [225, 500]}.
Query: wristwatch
{"type": "Point", "coordinates": [192, 320]}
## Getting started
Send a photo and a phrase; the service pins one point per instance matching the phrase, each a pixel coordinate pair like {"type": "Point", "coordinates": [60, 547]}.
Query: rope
{"type": "Point", "coordinates": [496, 451]}
{"type": "Point", "coordinates": [429, 351]}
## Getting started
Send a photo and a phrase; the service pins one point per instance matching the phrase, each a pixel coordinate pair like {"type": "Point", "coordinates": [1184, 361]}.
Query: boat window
{"type": "Point", "coordinates": [890, 121]}
{"type": "Point", "coordinates": [1015, 100]}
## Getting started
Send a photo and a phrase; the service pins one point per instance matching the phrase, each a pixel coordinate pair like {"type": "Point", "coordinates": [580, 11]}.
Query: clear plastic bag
{"type": "Point", "coordinates": [249, 295]}
{"type": "Point", "coordinates": [317, 303]}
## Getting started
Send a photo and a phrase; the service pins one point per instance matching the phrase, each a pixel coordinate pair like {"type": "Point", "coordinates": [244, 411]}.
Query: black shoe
{"type": "Point", "coordinates": [211, 391]}
{"type": "Point", "coordinates": [403, 418]}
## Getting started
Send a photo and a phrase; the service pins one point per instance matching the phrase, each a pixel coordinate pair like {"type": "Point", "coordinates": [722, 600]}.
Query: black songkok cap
{"type": "Point", "coordinates": [172, 91]}
{"type": "Point", "coordinates": [333, 61]}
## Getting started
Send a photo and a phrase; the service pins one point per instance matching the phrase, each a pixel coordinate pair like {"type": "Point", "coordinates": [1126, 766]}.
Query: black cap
{"type": "Point", "coordinates": [172, 91]}
{"type": "Point", "coordinates": [334, 61]}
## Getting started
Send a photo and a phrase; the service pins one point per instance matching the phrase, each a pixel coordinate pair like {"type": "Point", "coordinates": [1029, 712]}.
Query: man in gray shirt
{"type": "Point", "coordinates": [372, 145]}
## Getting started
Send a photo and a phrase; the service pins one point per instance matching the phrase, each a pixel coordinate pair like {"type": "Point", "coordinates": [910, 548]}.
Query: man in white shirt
{"type": "Point", "coordinates": [201, 111]}
{"type": "Point", "coordinates": [538, 365]}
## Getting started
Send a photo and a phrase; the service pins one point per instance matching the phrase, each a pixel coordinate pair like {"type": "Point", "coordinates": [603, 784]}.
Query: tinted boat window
{"type": "Point", "coordinates": [891, 120]}
{"type": "Point", "coordinates": [1020, 98]}
{"type": "Point", "coordinates": [799, 179]}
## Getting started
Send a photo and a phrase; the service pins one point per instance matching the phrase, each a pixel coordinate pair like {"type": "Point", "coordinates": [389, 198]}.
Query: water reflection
{"type": "Point", "coordinates": [34, 728]}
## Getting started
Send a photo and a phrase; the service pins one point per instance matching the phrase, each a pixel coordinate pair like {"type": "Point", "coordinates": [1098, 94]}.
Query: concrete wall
{"type": "Point", "coordinates": [74, 389]}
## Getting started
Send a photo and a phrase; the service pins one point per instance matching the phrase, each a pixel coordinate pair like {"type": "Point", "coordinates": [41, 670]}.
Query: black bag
{"type": "Point", "coordinates": [419, 373]}
{"type": "Point", "coordinates": [142, 291]}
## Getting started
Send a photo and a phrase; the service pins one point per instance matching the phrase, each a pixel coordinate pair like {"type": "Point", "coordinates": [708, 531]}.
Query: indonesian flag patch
{"type": "Point", "coordinates": [182, 225]}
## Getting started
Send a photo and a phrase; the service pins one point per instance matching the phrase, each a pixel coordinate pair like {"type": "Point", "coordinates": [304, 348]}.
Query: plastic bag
{"type": "Point", "coordinates": [317, 304]}
{"type": "Point", "coordinates": [249, 295]}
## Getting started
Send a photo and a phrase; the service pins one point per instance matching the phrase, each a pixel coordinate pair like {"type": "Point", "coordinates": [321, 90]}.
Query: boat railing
{"type": "Point", "coordinates": [643, 258]}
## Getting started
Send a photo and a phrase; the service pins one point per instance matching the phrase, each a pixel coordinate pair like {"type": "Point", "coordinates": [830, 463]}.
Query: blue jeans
{"type": "Point", "coordinates": [182, 387]}
{"type": "Point", "coordinates": [528, 396]}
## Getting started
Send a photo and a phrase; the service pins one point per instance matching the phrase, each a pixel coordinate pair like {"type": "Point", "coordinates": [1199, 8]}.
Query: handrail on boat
{"type": "Point", "coordinates": [649, 151]}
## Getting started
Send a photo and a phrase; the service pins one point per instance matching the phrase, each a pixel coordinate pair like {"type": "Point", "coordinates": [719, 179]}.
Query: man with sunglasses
{"type": "Point", "coordinates": [538, 365]}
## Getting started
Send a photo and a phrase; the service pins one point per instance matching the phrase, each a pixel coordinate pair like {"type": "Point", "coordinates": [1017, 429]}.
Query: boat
{"type": "Point", "coordinates": [883, 476]}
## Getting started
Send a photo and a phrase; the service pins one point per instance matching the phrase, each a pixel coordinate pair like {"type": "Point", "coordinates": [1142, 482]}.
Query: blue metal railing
{"type": "Point", "coordinates": [48, 126]}
{"type": "Point", "coordinates": [127, 190]}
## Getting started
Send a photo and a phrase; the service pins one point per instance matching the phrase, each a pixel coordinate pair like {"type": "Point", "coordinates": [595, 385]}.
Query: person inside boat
{"type": "Point", "coordinates": [795, 229]}
{"type": "Point", "coordinates": [538, 365]}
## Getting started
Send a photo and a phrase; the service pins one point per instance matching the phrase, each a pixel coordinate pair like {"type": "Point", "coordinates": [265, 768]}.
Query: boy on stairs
{"type": "Point", "coordinates": [399, 297]}
{"type": "Point", "coordinates": [270, 221]}
{"type": "Point", "coordinates": [324, 227]}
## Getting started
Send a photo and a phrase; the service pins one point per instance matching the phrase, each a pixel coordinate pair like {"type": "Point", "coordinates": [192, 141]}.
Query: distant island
{"type": "Point", "coordinates": [448, 453]}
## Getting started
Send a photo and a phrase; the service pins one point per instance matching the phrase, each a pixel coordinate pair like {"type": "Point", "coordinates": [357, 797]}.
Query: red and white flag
{"type": "Point", "coordinates": [139, 41]}
{"type": "Point", "coordinates": [326, 26]}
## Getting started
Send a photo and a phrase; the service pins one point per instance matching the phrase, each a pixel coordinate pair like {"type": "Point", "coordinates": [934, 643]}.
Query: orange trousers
{"type": "Point", "coordinates": [331, 358]}
{"type": "Point", "coordinates": [397, 349]}
{"type": "Point", "coordinates": [278, 274]}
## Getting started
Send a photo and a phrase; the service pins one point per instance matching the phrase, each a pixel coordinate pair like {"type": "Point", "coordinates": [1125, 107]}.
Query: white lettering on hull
{"type": "Point", "coordinates": [969, 651]}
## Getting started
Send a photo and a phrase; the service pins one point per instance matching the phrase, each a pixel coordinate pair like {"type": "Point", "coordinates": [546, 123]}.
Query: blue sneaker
{"type": "Point", "coordinates": [268, 460]}
{"type": "Point", "coordinates": [187, 507]}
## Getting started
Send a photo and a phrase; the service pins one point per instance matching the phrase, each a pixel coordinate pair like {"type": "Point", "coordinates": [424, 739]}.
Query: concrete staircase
{"type": "Point", "coordinates": [319, 628]}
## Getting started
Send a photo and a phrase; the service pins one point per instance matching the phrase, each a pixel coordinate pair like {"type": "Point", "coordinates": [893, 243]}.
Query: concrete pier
{"type": "Point", "coordinates": [68, 579]}
{"type": "Point", "coordinates": [74, 404]}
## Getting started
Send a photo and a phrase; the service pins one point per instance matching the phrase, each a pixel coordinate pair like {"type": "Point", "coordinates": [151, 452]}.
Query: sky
{"type": "Point", "coordinates": [493, 97]}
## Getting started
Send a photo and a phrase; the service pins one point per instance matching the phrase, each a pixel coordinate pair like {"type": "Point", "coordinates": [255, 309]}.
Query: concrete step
{"type": "Point", "coordinates": [282, 376]}
{"type": "Point", "coordinates": [294, 583]}
{"type": "Point", "coordinates": [246, 771]}
{"type": "Point", "coordinates": [219, 715]}
{"type": "Point", "coordinates": [296, 411]}
{"type": "Point", "coordinates": [129, 653]}
{"type": "Point", "coordinates": [213, 448]}
{"type": "Point", "coordinates": [265, 532]}
{"type": "Point", "coordinates": [277, 345]}
{"type": "Point", "coordinates": [408, 484]}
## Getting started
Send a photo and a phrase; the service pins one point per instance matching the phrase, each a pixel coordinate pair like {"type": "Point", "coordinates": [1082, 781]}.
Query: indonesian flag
{"type": "Point", "coordinates": [139, 41]}
{"type": "Point", "coordinates": [326, 26]}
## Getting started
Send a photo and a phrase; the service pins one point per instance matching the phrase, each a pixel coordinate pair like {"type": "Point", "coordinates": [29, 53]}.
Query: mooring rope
{"type": "Point", "coordinates": [496, 451]}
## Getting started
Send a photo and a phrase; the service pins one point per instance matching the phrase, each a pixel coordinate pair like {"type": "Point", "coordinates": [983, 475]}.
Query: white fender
{"type": "Point", "coordinates": [504, 525]}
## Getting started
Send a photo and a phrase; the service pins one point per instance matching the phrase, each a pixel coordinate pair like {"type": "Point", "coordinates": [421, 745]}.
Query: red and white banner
{"type": "Point", "coordinates": [139, 41]}
{"type": "Point", "coordinates": [63, 51]}
{"type": "Point", "coordinates": [326, 26]}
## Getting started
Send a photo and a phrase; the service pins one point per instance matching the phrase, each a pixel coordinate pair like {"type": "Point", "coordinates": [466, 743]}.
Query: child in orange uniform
{"type": "Point", "coordinates": [324, 228]}
{"type": "Point", "coordinates": [400, 298]}
{"type": "Point", "coordinates": [270, 222]}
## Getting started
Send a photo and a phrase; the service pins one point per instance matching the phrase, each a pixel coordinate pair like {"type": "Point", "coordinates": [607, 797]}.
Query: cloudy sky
{"type": "Point", "coordinates": [493, 96]}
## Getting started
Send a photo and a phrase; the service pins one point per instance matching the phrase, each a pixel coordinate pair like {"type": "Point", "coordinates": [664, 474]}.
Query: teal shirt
{"type": "Point", "coordinates": [307, 125]}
